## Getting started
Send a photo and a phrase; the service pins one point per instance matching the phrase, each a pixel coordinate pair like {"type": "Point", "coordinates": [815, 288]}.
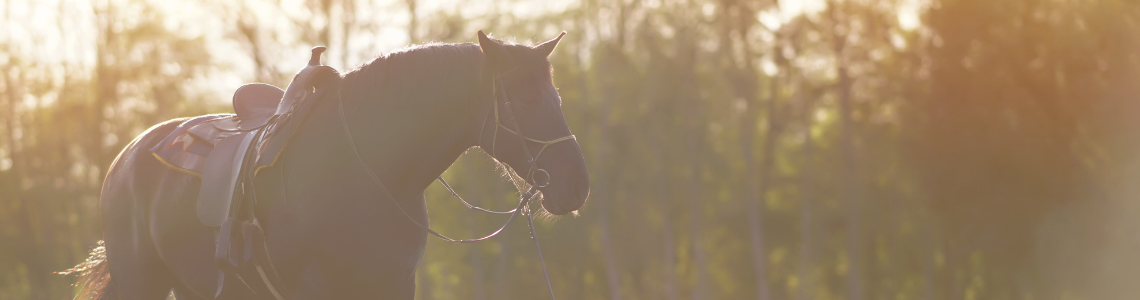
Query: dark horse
{"type": "Point", "coordinates": [329, 228]}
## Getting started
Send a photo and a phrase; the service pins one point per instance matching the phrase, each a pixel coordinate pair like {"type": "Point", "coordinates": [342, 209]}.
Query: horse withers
{"type": "Point", "coordinates": [329, 229]}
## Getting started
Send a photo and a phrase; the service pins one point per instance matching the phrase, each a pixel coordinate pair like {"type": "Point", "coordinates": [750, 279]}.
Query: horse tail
{"type": "Point", "coordinates": [94, 276]}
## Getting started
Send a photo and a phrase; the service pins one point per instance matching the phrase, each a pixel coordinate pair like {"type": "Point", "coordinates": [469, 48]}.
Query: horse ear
{"type": "Point", "coordinates": [548, 46]}
{"type": "Point", "coordinates": [495, 52]}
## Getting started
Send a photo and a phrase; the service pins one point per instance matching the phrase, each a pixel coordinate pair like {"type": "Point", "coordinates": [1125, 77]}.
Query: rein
{"type": "Point", "coordinates": [524, 199]}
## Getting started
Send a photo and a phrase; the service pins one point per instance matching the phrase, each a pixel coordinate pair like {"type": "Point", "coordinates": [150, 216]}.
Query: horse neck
{"type": "Point", "coordinates": [410, 141]}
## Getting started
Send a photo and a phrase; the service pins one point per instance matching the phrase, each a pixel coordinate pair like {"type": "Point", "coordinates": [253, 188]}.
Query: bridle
{"type": "Point", "coordinates": [524, 199]}
{"type": "Point", "coordinates": [532, 161]}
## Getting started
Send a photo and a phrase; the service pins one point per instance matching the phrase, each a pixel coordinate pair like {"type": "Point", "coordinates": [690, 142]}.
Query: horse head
{"type": "Point", "coordinates": [526, 128]}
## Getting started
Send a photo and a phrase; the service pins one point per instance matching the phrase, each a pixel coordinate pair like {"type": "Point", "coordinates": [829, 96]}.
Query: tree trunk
{"type": "Point", "coordinates": [262, 72]}
{"type": "Point", "coordinates": [106, 86]}
{"type": "Point", "coordinates": [756, 234]}
{"type": "Point", "coordinates": [849, 186]}
{"type": "Point", "coordinates": [851, 189]}
{"type": "Point", "coordinates": [413, 21]}
{"type": "Point", "coordinates": [324, 7]}
{"type": "Point", "coordinates": [686, 66]}
{"type": "Point", "coordinates": [609, 257]}
{"type": "Point", "coordinates": [11, 109]}
{"type": "Point", "coordinates": [503, 283]}
{"type": "Point", "coordinates": [807, 207]}
{"type": "Point", "coordinates": [696, 220]}
{"type": "Point", "coordinates": [349, 21]}
{"type": "Point", "coordinates": [670, 245]}
{"type": "Point", "coordinates": [757, 186]}
{"type": "Point", "coordinates": [928, 251]}
{"type": "Point", "coordinates": [474, 223]}
{"type": "Point", "coordinates": [745, 80]}
{"type": "Point", "coordinates": [668, 239]}
{"type": "Point", "coordinates": [600, 188]}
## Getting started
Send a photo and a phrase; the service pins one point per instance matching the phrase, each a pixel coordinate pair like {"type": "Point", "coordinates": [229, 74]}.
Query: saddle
{"type": "Point", "coordinates": [227, 150]}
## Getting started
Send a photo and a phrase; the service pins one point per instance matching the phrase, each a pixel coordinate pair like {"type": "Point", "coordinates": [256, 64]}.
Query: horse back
{"type": "Point", "coordinates": [126, 203]}
{"type": "Point", "coordinates": [135, 173]}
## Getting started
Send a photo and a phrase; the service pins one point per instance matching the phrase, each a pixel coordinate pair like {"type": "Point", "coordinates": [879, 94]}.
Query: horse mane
{"type": "Point", "coordinates": [429, 71]}
{"type": "Point", "coordinates": [421, 73]}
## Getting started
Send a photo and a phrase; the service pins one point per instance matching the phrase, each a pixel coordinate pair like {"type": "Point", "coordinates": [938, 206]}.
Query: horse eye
{"type": "Point", "coordinates": [528, 93]}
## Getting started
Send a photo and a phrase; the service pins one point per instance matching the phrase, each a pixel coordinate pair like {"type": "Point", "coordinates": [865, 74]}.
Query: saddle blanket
{"type": "Point", "coordinates": [185, 151]}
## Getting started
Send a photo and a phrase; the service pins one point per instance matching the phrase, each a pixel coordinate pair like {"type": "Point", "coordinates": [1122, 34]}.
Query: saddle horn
{"type": "Point", "coordinates": [302, 83]}
{"type": "Point", "coordinates": [315, 60]}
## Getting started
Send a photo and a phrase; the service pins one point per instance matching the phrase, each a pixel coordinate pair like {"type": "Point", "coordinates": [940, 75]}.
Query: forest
{"type": "Point", "coordinates": [738, 149]}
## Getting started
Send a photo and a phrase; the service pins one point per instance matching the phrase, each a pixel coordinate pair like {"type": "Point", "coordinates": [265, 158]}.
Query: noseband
{"type": "Point", "coordinates": [524, 199]}
{"type": "Point", "coordinates": [517, 131]}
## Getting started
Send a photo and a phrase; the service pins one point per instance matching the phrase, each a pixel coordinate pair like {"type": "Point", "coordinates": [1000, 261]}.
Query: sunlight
{"type": "Point", "coordinates": [771, 19]}
{"type": "Point", "coordinates": [776, 17]}
{"type": "Point", "coordinates": [792, 8]}
{"type": "Point", "coordinates": [832, 145]}
{"type": "Point", "coordinates": [908, 15]}
{"type": "Point", "coordinates": [769, 67]}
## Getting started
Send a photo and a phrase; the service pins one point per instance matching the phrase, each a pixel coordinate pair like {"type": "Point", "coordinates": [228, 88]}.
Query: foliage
{"type": "Point", "coordinates": [854, 149]}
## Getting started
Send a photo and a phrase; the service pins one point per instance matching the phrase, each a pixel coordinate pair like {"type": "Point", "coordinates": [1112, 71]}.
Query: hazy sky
{"type": "Point", "coordinates": [33, 28]}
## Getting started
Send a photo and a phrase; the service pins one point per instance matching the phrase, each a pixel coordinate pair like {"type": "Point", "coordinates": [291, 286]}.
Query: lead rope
{"type": "Point", "coordinates": [545, 274]}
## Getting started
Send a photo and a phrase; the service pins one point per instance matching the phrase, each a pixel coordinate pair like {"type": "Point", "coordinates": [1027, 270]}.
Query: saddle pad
{"type": "Point", "coordinates": [195, 147]}
{"type": "Point", "coordinates": [210, 131]}
{"type": "Point", "coordinates": [181, 151]}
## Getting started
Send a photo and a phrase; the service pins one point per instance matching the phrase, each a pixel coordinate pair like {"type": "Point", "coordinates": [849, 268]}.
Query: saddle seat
{"type": "Point", "coordinates": [254, 104]}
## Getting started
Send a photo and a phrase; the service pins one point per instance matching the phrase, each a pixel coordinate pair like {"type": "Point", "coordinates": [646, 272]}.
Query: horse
{"type": "Point", "coordinates": [396, 124]}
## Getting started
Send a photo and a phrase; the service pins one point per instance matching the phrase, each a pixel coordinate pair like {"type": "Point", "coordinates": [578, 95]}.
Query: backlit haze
{"type": "Point", "coordinates": [737, 149]}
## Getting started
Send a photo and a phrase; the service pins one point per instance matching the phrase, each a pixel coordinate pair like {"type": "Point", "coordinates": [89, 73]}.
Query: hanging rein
{"type": "Point", "coordinates": [525, 198]}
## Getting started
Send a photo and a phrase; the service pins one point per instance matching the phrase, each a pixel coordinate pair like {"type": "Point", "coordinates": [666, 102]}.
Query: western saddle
{"type": "Point", "coordinates": [227, 150]}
